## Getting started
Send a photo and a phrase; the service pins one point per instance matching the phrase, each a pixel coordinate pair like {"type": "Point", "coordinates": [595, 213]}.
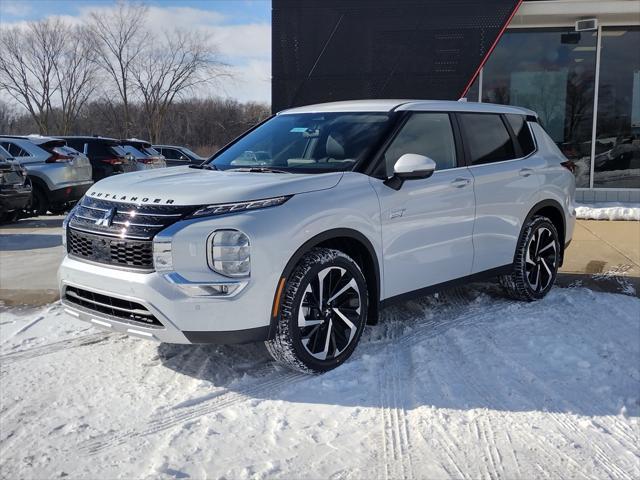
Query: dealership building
{"type": "Point", "coordinates": [575, 62]}
{"type": "Point", "coordinates": [585, 86]}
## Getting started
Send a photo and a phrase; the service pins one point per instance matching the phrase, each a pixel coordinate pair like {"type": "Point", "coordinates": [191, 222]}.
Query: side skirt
{"type": "Point", "coordinates": [475, 277]}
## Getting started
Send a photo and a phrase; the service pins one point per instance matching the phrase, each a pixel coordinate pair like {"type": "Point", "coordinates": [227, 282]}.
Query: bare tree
{"type": "Point", "coordinates": [121, 37]}
{"type": "Point", "coordinates": [76, 75]}
{"type": "Point", "coordinates": [171, 67]}
{"type": "Point", "coordinates": [27, 66]}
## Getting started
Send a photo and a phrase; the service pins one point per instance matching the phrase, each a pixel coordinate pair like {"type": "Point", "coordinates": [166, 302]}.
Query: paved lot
{"type": "Point", "coordinates": [603, 256]}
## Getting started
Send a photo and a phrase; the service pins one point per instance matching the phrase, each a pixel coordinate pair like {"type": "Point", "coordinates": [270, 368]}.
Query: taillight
{"type": "Point", "coordinates": [113, 161]}
{"type": "Point", "coordinates": [569, 165]}
{"type": "Point", "coordinates": [58, 157]}
{"type": "Point", "coordinates": [146, 160]}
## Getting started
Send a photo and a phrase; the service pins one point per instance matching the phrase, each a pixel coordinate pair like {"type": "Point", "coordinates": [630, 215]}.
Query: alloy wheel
{"type": "Point", "coordinates": [541, 259]}
{"type": "Point", "coordinates": [329, 313]}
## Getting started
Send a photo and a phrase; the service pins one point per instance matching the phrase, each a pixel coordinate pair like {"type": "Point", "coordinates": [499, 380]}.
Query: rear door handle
{"type": "Point", "coordinates": [460, 182]}
{"type": "Point", "coordinates": [525, 172]}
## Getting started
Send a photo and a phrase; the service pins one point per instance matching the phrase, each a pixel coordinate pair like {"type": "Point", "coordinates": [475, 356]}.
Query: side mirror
{"type": "Point", "coordinates": [410, 166]}
{"type": "Point", "coordinates": [182, 158]}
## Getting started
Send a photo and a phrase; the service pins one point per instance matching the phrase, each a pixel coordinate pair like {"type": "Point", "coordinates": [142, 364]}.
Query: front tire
{"type": "Point", "coordinates": [323, 312]}
{"type": "Point", "coordinates": [536, 261]}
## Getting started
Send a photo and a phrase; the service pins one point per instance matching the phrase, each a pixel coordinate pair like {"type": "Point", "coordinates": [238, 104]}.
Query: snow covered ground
{"type": "Point", "coordinates": [608, 211]}
{"type": "Point", "coordinates": [461, 385]}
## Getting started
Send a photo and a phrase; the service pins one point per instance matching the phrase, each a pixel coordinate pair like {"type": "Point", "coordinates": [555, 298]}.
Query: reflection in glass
{"type": "Point", "coordinates": [617, 159]}
{"type": "Point", "coordinates": [551, 71]}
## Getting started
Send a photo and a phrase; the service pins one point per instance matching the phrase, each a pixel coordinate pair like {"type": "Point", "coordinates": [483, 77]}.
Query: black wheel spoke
{"type": "Point", "coordinates": [329, 313]}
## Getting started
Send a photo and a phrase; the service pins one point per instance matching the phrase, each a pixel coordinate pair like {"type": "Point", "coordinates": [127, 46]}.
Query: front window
{"type": "Point", "coordinates": [307, 142]}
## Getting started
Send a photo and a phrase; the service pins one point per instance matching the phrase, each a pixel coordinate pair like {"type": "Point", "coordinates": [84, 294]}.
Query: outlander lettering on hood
{"type": "Point", "coordinates": [129, 198]}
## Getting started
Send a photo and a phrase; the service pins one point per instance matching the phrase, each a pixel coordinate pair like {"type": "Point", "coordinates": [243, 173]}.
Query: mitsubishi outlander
{"type": "Point", "coordinates": [297, 232]}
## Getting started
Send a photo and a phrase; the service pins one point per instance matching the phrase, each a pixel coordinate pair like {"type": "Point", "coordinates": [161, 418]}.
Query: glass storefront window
{"type": "Point", "coordinates": [617, 158]}
{"type": "Point", "coordinates": [551, 71]}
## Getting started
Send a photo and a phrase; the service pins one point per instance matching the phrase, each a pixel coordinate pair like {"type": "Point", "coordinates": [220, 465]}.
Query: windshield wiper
{"type": "Point", "coordinates": [205, 166]}
{"type": "Point", "coordinates": [257, 170]}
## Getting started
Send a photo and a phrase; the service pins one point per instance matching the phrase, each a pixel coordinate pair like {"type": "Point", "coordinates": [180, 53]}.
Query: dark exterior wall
{"type": "Point", "coordinates": [327, 50]}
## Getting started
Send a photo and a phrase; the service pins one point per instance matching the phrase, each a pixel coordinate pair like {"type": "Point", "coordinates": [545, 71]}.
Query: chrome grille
{"type": "Point", "coordinates": [129, 221]}
{"type": "Point", "coordinates": [97, 248]}
{"type": "Point", "coordinates": [112, 306]}
{"type": "Point", "coordinates": [120, 234]}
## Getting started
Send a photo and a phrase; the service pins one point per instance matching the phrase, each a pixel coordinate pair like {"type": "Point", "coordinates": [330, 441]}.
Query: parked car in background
{"type": "Point", "coordinates": [105, 155]}
{"type": "Point", "coordinates": [15, 188]}
{"type": "Point", "coordinates": [145, 155]}
{"type": "Point", "coordinates": [59, 175]}
{"type": "Point", "coordinates": [178, 156]}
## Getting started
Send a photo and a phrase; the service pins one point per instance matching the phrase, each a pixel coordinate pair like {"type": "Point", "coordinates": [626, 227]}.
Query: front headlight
{"type": "Point", "coordinates": [223, 208]}
{"type": "Point", "coordinates": [65, 223]}
{"type": "Point", "coordinates": [162, 256]}
{"type": "Point", "coordinates": [229, 253]}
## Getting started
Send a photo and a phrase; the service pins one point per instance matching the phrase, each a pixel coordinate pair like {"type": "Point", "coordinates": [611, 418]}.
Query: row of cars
{"type": "Point", "coordinates": [40, 174]}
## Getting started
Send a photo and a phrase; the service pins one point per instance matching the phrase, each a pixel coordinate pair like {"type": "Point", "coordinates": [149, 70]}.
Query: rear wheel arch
{"type": "Point", "coordinates": [553, 211]}
{"type": "Point", "coordinates": [354, 244]}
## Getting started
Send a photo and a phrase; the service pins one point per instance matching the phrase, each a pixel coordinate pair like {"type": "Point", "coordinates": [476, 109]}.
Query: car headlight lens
{"type": "Point", "coordinates": [65, 223]}
{"type": "Point", "coordinates": [162, 256]}
{"type": "Point", "coordinates": [222, 208]}
{"type": "Point", "coordinates": [229, 253]}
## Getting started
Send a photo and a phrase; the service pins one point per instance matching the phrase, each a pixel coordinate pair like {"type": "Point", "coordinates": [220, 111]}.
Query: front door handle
{"type": "Point", "coordinates": [525, 172]}
{"type": "Point", "coordinates": [460, 182]}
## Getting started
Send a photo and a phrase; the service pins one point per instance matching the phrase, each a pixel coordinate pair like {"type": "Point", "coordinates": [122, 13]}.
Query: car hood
{"type": "Point", "coordinates": [190, 186]}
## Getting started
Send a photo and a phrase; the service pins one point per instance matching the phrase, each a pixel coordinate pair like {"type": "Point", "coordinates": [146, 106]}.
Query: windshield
{"type": "Point", "coordinates": [191, 153]}
{"type": "Point", "coordinates": [133, 151]}
{"type": "Point", "coordinates": [307, 142]}
{"type": "Point", "coordinates": [151, 151]}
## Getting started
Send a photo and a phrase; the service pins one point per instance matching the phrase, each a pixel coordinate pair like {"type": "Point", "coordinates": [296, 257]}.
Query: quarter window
{"type": "Point", "coordinates": [15, 150]}
{"type": "Point", "coordinates": [487, 138]}
{"type": "Point", "coordinates": [522, 132]}
{"type": "Point", "coordinates": [428, 134]}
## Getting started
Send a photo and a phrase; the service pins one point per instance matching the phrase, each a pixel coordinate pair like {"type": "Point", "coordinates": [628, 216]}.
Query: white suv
{"type": "Point", "coordinates": [297, 232]}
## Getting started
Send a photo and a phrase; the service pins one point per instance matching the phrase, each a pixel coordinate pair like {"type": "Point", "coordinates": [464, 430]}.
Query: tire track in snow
{"type": "Point", "coordinates": [49, 348]}
{"type": "Point", "coordinates": [489, 397]}
{"type": "Point", "coordinates": [395, 432]}
{"type": "Point", "coordinates": [270, 380]}
{"type": "Point", "coordinates": [566, 426]}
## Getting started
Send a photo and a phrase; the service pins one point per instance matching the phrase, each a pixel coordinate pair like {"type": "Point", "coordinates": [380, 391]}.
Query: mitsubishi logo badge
{"type": "Point", "coordinates": [107, 219]}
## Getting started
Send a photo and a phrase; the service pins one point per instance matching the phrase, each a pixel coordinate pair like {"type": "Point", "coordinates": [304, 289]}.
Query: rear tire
{"type": "Point", "coordinates": [536, 261]}
{"type": "Point", "coordinates": [39, 202]}
{"type": "Point", "coordinates": [323, 312]}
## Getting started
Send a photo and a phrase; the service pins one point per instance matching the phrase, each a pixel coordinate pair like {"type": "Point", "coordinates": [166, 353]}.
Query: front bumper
{"type": "Point", "coordinates": [184, 318]}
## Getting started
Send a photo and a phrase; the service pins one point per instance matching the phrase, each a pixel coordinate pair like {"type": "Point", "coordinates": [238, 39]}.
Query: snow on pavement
{"type": "Point", "coordinates": [608, 211]}
{"type": "Point", "coordinates": [461, 385]}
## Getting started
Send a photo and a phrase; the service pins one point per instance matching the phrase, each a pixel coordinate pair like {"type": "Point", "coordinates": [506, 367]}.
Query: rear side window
{"type": "Point", "coordinates": [487, 138]}
{"type": "Point", "coordinates": [522, 132]}
{"type": "Point", "coordinates": [15, 150]}
{"type": "Point", "coordinates": [428, 134]}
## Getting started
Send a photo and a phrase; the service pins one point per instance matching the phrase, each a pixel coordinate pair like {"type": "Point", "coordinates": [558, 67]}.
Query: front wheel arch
{"type": "Point", "coordinates": [349, 241]}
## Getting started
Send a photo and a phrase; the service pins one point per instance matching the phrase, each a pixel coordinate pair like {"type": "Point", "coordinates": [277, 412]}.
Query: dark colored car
{"type": "Point", "coordinates": [15, 188]}
{"type": "Point", "coordinates": [177, 156]}
{"type": "Point", "coordinates": [145, 155]}
{"type": "Point", "coordinates": [105, 154]}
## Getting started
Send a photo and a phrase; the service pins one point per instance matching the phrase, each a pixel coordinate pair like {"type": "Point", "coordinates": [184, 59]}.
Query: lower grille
{"type": "Point", "coordinates": [112, 306]}
{"type": "Point", "coordinates": [111, 251]}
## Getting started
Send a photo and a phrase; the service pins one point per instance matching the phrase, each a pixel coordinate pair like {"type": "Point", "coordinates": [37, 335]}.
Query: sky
{"type": "Point", "coordinates": [241, 29]}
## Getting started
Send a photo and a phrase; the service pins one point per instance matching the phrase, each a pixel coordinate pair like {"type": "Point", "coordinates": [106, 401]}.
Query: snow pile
{"type": "Point", "coordinates": [608, 211]}
{"type": "Point", "coordinates": [461, 385]}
